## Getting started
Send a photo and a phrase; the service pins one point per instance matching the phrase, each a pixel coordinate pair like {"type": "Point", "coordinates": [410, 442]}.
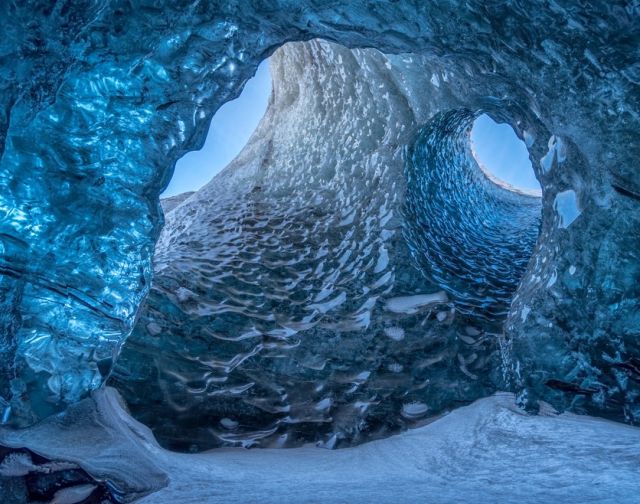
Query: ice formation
{"type": "Point", "coordinates": [352, 261]}
{"type": "Point", "coordinates": [277, 284]}
{"type": "Point", "coordinates": [490, 451]}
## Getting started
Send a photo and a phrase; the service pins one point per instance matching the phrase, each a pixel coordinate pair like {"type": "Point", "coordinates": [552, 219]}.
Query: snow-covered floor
{"type": "Point", "coordinates": [488, 452]}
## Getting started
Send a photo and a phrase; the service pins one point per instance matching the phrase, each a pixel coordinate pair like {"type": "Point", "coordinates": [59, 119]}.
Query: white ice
{"type": "Point", "coordinates": [487, 452]}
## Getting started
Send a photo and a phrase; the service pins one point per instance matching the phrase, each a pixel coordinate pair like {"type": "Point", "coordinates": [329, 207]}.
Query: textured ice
{"type": "Point", "coordinates": [287, 282]}
{"type": "Point", "coordinates": [489, 451]}
{"type": "Point", "coordinates": [410, 305]}
{"type": "Point", "coordinates": [566, 206]}
{"type": "Point", "coordinates": [270, 283]}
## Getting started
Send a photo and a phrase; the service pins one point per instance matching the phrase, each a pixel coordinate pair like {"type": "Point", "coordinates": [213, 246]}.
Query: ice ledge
{"type": "Point", "coordinates": [488, 451]}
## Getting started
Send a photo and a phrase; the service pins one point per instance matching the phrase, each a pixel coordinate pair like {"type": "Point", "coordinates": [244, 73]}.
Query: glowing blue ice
{"type": "Point", "coordinates": [270, 284]}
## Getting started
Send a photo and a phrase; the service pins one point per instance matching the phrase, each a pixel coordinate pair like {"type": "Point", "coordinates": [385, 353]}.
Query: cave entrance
{"type": "Point", "coordinates": [502, 156]}
{"type": "Point", "coordinates": [229, 131]}
{"type": "Point", "coordinates": [286, 307]}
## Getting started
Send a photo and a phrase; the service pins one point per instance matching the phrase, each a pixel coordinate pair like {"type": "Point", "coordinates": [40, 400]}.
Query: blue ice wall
{"type": "Point", "coordinates": [99, 99]}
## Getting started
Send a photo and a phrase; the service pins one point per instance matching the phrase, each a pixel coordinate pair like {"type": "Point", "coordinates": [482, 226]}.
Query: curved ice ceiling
{"type": "Point", "coordinates": [316, 256]}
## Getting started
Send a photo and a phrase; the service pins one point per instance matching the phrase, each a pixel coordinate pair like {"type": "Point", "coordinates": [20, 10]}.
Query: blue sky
{"type": "Point", "coordinates": [230, 129]}
{"type": "Point", "coordinates": [495, 146]}
{"type": "Point", "coordinates": [501, 152]}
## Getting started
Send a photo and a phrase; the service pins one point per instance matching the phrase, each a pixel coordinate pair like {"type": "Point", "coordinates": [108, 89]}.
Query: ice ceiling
{"type": "Point", "coordinates": [351, 272]}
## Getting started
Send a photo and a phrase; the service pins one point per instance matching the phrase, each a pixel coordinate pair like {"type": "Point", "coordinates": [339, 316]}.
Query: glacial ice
{"type": "Point", "coordinates": [489, 451]}
{"type": "Point", "coordinates": [566, 206]}
{"type": "Point", "coordinates": [410, 305]}
{"type": "Point", "coordinates": [275, 285]}
{"type": "Point", "coordinates": [278, 283]}
{"type": "Point", "coordinates": [268, 287]}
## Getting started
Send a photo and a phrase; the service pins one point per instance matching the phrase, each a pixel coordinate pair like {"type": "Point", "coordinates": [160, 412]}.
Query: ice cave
{"type": "Point", "coordinates": [355, 308]}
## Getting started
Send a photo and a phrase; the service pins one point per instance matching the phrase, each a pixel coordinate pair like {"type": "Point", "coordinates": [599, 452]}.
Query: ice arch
{"type": "Point", "coordinates": [98, 101]}
{"type": "Point", "coordinates": [286, 307]}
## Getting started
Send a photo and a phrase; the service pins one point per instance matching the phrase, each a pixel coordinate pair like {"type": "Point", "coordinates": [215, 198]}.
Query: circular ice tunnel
{"type": "Point", "coordinates": [469, 234]}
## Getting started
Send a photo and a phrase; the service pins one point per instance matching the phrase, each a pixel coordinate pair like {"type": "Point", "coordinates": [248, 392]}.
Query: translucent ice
{"type": "Point", "coordinates": [270, 283]}
{"type": "Point", "coordinates": [566, 206]}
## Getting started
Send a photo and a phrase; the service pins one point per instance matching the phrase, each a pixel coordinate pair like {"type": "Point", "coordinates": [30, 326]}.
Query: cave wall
{"type": "Point", "coordinates": [98, 100]}
{"type": "Point", "coordinates": [276, 314]}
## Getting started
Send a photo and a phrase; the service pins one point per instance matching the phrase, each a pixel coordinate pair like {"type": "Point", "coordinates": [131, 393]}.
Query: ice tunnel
{"type": "Point", "coordinates": [303, 311]}
{"type": "Point", "coordinates": [352, 272]}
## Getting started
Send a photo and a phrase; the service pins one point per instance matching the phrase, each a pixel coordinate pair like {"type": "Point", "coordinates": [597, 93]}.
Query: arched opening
{"type": "Point", "coordinates": [468, 229]}
{"type": "Point", "coordinates": [502, 156]}
{"type": "Point", "coordinates": [229, 131]}
{"type": "Point", "coordinates": [286, 308]}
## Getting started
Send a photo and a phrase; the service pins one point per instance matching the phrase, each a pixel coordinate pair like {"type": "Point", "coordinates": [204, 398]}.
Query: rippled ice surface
{"type": "Point", "coordinates": [312, 292]}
